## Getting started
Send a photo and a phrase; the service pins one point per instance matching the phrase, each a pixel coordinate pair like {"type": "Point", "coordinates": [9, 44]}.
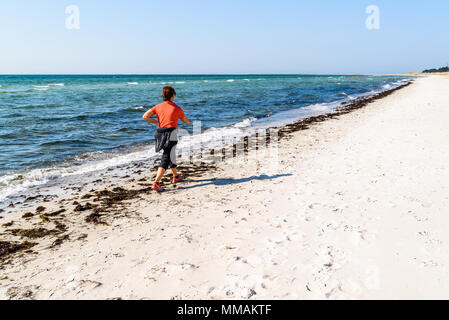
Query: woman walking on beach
{"type": "Point", "coordinates": [168, 114]}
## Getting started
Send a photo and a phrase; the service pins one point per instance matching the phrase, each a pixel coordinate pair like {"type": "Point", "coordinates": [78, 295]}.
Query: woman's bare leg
{"type": "Point", "coordinates": [160, 174]}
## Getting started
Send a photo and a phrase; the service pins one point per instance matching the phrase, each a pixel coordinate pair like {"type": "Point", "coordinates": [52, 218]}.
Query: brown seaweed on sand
{"type": "Point", "coordinates": [40, 209]}
{"type": "Point", "coordinates": [28, 215]}
{"type": "Point", "coordinates": [54, 214]}
{"type": "Point", "coordinates": [8, 224]}
{"type": "Point", "coordinates": [7, 247]}
{"type": "Point", "coordinates": [86, 207]}
{"type": "Point", "coordinates": [60, 240]}
{"type": "Point", "coordinates": [44, 218]}
{"type": "Point", "coordinates": [35, 233]}
{"type": "Point", "coordinates": [95, 218]}
{"type": "Point", "coordinates": [116, 195]}
{"type": "Point", "coordinates": [59, 226]}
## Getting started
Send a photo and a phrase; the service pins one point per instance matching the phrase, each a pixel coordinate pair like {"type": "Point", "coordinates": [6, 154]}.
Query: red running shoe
{"type": "Point", "coordinates": [157, 187]}
{"type": "Point", "coordinates": [178, 178]}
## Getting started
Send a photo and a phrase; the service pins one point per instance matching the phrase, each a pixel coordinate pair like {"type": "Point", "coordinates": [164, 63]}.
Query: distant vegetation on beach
{"type": "Point", "coordinates": [442, 69]}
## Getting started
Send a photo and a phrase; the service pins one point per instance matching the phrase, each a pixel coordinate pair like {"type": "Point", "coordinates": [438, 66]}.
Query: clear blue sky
{"type": "Point", "coordinates": [222, 36]}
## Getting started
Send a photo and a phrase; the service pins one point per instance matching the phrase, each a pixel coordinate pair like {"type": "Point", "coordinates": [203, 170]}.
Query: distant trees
{"type": "Point", "coordinates": [442, 69]}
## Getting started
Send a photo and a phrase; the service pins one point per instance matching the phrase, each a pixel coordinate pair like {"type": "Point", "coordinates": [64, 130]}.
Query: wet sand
{"type": "Point", "coordinates": [354, 209]}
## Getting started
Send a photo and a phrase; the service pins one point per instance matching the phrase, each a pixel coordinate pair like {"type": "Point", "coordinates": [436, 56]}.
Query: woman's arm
{"type": "Point", "coordinates": [148, 116]}
{"type": "Point", "coordinates": [186, 120]}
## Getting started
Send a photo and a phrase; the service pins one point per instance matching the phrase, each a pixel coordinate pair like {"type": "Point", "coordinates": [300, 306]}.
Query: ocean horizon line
{"type": "Point", "coordinates": [197, 74]}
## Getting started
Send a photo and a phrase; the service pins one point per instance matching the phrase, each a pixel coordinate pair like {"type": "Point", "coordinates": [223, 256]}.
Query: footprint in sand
{"type": "Point", "coordinates": [20, 293]}
{"type": "Point", "coordinates": [233, 287]}
{"type": "Point", "coordinates": [169, 270]}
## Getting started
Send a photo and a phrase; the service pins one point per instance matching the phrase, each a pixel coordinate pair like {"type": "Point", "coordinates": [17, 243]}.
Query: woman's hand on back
{"type": "Point", "coordinates": [148, 116]}
{"type": "Point", "coordinates": [186, 120]}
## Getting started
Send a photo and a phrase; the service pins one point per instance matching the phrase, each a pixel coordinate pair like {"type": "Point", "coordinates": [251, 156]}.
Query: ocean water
{"type": "Point", "coordinates": [54, 127]}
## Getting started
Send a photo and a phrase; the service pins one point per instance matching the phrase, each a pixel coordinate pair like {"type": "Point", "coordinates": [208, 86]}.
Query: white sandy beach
{"type": "Point", "coordinates": [357, 209]}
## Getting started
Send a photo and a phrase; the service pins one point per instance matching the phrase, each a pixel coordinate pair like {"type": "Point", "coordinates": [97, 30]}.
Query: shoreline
{"type": "Point", "coordinates": [53, 190]}
{"type": "Point", "coordinates": [79, 226]}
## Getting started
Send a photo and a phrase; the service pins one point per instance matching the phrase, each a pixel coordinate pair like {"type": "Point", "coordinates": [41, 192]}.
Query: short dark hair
{"type": "Point", "coordinates": [168, 93]}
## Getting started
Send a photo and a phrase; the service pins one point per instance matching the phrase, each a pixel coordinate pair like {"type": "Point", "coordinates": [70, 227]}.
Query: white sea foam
{"type": "Point", "coordinates": [133, 83]}
{"type": "Point", "coordinates": [212, 138]}
{"type": "Point", "coordinates": [57, 84]}
{"type": "Point", "coordinates": [41, 88]}
{"type": "Point", "coordinates": [230, 80]}
{"type": "Point", "coordinates": [321, 107]}
{"type": "Point", "coordinates": [245, 123]}
{"type": "Point", "coordinates": [14, 184]}
{"type": "Point", "coordinates": [180, 82]}
{"type": "Point", "coordinates": [347, 95]}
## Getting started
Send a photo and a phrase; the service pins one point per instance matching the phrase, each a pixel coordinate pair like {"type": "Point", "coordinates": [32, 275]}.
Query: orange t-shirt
{"type": "Point", "coordinates": [168, 114]}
